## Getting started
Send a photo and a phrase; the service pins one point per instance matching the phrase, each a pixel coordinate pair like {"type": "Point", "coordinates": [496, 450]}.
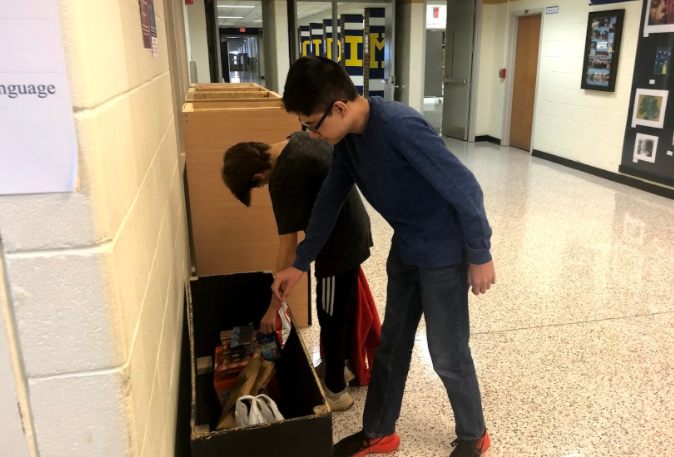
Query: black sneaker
{"type": "Point", "coordinates": [471, 448]}
{"type": "Point", "coordinates": [359, 445]}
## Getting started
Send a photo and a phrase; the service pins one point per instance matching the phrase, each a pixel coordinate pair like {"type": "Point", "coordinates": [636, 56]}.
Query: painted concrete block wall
{"type": "Point", "coordinates": [491, 89]}
{"type": "Point", "coordinates": [196, 18]}
{"type": "Point", "coordinates": [583, 126]}
{"type": "Point", "coordinates": [14, 441]}
{"type": "Point", "coordinates": [410, 41]}
{"type": "Point", "coordinates": [276, 44]}
{"type": "Point", "coordinates": [96, 276]}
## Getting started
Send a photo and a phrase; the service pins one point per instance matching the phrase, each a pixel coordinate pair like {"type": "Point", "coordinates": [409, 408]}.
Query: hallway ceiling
{"type": "Point", "coordinates": [235, 14]}
{"type": "Point", "coordinates": [239, 14]}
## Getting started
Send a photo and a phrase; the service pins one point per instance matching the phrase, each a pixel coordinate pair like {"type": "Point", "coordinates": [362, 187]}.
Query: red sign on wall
{"type": "Point", "coordinates": [189, 2]}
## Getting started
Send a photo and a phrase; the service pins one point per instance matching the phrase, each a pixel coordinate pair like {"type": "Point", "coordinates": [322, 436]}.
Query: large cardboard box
{"type": "Point", "coordinates": [228, 237]}
{"type": "Point", "coordinates": [219, 303]}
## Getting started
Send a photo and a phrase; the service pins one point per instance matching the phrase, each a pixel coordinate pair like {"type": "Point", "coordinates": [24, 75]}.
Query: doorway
{"type": "Point", "coordinates": [525, 77]}
{"type": "Point", "coordinates": [461, 42]}
{"type": "Point", "coordinates": [243, 59]}
{"type": "Point", "coordinates": [364, 43]}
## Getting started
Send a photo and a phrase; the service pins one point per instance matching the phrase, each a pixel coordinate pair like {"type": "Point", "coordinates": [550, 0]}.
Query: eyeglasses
{"type": "Point", "coordinates": [315, 128]}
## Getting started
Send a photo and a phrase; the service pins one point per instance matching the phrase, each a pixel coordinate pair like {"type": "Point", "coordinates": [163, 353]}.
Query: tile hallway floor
{"type": "Point", "coordinates": [574, 346]}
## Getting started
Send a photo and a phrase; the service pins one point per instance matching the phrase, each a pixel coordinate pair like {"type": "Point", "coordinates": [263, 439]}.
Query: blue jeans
{"type": "Point", "coordinates": [441, 294]}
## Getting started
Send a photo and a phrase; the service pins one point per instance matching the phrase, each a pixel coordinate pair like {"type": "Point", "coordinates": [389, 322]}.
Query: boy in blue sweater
{"type": "Point", "coordinates": [440, 245]}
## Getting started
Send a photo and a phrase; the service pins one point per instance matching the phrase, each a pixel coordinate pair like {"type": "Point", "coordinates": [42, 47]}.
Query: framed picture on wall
{"type": "Point", "coordinates": [649, 108]}
{"type": "Point", "coordinates": [659, 17]}
{"type": "Point", "coordinates": [602, 50]}
{"type": "Point", "coordinates": [645, 148]}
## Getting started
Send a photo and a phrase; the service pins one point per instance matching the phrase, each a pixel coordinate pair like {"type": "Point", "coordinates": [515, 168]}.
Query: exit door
{"type": "Point", "coordinates": [460, 36]}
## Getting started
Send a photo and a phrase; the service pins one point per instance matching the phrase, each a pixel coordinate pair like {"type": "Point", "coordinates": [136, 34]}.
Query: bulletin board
{"type": "Point", "coordinates": [648, 149]}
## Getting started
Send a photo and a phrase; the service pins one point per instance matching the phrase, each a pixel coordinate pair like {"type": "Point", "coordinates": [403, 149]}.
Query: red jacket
{"type": "Point", "coordinates": [365, 334]}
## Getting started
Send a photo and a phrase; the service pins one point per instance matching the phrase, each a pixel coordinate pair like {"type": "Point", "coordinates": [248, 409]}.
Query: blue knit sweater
{"type": "Point", "coordinates": [403, 168]}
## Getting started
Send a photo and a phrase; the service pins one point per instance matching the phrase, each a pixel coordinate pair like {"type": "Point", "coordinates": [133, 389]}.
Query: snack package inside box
{"type": "Point", "coordinates": [283, 323]}
{"type": "Point", "coordinates": [244, 365]}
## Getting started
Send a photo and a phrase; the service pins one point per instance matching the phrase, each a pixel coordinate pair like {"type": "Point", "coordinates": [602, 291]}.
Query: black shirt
{"type": "Point", "coordinates": [295, 183]}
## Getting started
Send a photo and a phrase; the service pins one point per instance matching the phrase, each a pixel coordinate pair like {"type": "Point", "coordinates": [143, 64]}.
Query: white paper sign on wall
{"type": "Point", "coordinates": [38, 145]}
{"type": "Point", "coordinates": [436, 16]}
{"type": "Point", "coordinates": [552, 10]}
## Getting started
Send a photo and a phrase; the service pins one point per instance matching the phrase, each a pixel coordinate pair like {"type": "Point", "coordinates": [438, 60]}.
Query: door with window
{"type": "Point", "coordinates": [459, 44]}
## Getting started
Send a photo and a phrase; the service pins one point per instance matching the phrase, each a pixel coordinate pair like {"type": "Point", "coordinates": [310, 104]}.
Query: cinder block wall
{"type": "Point", "coordinates": [576, 124]}
{"type": "Point", "coordinates": [94, 279]}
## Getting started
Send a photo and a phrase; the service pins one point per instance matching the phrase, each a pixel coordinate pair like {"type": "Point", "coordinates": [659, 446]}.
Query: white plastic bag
{"type": "Point", "coordinates": [268, 409]}
{"type": "Point", "coordinates": [245, 411]}
{"type": "Point", "coordinates": [251, 410]}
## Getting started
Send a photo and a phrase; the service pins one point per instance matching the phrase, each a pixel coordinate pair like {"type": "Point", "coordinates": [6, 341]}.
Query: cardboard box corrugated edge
{"type": "Point", "coordinates": [198, 431]}
{"type": "Point", "coordinates": [229, 95]}
{"type": "Point", "coordinates": [211, 106]}
{"type": "Point", "coordinates": [226, 86]}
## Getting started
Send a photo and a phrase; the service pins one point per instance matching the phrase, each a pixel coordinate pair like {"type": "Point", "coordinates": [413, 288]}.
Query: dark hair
{"type": "Point", "coordinates": [314, 83]}
{"type": "Point", "coordinates": [241, 163]}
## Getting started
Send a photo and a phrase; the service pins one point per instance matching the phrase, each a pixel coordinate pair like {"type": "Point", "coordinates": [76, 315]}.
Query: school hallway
{"type": "Point", "coordinates": [573, 346]}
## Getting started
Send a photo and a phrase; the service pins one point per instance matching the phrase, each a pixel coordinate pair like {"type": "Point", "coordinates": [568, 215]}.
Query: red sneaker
{"type": "Point", "coordinates": [471, 448]}
{"type": "Point", "coordinates": [359, 445]}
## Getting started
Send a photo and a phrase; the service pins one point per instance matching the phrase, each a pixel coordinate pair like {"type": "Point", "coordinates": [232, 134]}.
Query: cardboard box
{"type": "Point", "coordinates": [227, 236]}
{"type": "Point", "coordinates": [219, 303]}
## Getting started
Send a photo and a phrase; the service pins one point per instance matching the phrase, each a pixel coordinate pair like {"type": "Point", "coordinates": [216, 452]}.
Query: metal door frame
{"type": "Point", "coordinates": [390, 52]}
{"type": "Point", "coordinates": [472, 104]}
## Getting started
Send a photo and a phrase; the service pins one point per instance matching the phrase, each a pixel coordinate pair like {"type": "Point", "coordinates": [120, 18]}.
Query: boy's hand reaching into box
{"type": "Point", "coordinates": [285, 281]}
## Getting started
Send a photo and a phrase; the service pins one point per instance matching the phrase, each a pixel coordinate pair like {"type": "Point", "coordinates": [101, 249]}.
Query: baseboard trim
{"type": "Point", "coordinates": [615, 177]}
{"type": "Point", "coordinates": [646, 176]}
{"type": "Point", "coordinates": [487, 139]}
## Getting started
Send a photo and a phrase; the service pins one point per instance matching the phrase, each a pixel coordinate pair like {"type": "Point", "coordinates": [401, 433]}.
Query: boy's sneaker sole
{"type": "Point", "coordinates": [386, 445]}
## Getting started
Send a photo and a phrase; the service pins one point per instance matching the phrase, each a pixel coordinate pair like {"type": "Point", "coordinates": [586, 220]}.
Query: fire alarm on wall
{"type": "Point", "coordinates": [502, 73]}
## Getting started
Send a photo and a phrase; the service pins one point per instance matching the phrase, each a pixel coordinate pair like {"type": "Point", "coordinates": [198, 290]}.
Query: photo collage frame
{"type": "Point", "coordinates": [602, 50]}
